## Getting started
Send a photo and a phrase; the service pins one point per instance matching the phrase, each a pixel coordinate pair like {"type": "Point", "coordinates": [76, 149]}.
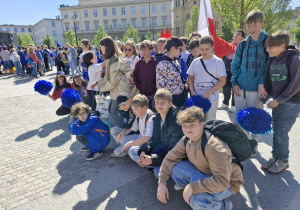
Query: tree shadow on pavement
{"type": "Point", "coordinates": [46, 130]}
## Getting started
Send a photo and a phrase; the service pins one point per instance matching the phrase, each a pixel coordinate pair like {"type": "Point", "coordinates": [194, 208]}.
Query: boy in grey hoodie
{"type": "Point", "coordinates": [282, 84]}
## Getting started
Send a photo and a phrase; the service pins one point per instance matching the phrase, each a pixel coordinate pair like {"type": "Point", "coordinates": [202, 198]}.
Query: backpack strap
{"type": "Point", "coordinates": [206, 69]}
{"type": "Point", "coordinates": [289, 61]}
{"type": "Point", "coordinates": [244, 41]}
{"type": "Point", "coordinates": [205, 136]}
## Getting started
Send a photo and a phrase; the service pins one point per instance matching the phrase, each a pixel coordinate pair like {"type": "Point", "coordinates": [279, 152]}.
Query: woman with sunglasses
{"type": "Point", "coordinates": [131, 57]}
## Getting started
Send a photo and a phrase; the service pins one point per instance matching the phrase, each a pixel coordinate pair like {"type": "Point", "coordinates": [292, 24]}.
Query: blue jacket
{"type": "Point", "coordinates": [96, 132]}
{"type": "Point", "coordinates": [248, 73]}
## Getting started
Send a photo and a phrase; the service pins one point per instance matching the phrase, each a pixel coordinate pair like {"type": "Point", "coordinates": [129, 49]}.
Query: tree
{"type": "Point", "coordinates": [48, 40]}
{"type": "Point", "coordinates": [24, 40]}
{"type": "Point", "coordinates": [101, 33]}
{"type": "Point", "coordinates": [149, 36]}
{"type": "Point", "coordinates": [192, 24]}
{"type": "Point", "coordinates": [164, 30]}
{"type": "Point", "coordinates": [297, 30]}
{"type": "Point", "coordinates": [71, 38]}
{"type": "Point", "coordinates": [131, 33]}
{"type": "Point", "coordinates": [227, 30]}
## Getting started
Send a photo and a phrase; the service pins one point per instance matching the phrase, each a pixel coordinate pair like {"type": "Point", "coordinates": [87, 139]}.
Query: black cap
{"type": "Point", "coordinates": [122, 98]}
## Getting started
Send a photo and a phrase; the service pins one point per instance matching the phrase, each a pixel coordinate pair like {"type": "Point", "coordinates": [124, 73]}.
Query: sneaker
{"type": "Point", "coordinates": [92, 156]}
{"type": "Point", "coordinates": [113, 155]}
{"type": "Point", "coordinates": [268, 164]}
{"type": "Point", "coordinates": [230, 204]}
{"type": "Point", "coordinates": [85, 149]}
{"type": "Point", "coordinates": [71, 119]}
{"type": "Point", "coordinates": [222, 107]}
{"type": "Point", "coordinates": [278, 167]}
{"type": "Point", "coordinates": [118, 153]}
{"type": "Point", "coordinates": [253, 146]}
{"type": "Point", "coordinates": [177, 187]}
{"type": "Point", "coordinates": [232, 109]}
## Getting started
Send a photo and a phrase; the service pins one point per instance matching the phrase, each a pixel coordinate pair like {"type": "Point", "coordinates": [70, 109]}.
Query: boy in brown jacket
{"type": "Point", "coordinates": [207, 179]}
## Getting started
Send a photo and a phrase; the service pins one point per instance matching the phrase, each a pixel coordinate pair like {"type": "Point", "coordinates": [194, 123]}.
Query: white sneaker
{"type": "Point", "coordinates": [71, 119]}
{"type": "Point", "coordinates": [177, 187]}
{"type": "Point", "coordinates": [232, 109]}
{"type": "Point", "coordinates": [222, 107]}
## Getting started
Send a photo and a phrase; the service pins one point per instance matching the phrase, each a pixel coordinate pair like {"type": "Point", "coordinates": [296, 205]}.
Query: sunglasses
{"type": "Point", "coordinates": [129, 50]}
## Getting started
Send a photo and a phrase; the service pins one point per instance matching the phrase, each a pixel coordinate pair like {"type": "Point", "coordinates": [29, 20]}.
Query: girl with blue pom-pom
{"type": "Point", "coordinates": [61, 83]}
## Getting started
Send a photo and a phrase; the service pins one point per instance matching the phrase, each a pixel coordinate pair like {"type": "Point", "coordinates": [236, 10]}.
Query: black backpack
{"type": "Point", "coordinates": [231, 134]}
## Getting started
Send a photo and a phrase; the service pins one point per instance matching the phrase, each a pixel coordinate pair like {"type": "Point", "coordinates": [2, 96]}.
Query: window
{"type": "Point", "coordinates": [104, 12]}
{"type": "Point", "coordinates": [134, 23]}
{"type": "Point", "coordinates": [87, 26]}
{"type": "Point", "coordinates": [124, 23]}
{"type": "Point", "coordinates": [77, 27]}
{"type": "Point", "coordinates": [153, 8]}
{"type": "Point", "coordinates": [95, 13]}
{"type": "Point", "coordinates": [133, 10]}
{"type": "Point", "coordinates": [8, 29]}
{"type": "Point", "coordinates": [123, 10]}
{"type": "Point", "coordinates": [144, 22]}
{"type": "Point", "coordinates": [164, 7]}
{"type": "Point", "coordinates": [67, 27]}
{"type": "Point", "coordinates": [53, 23]}
{"type": "Point", "coordinates": [54, 33]}
{"type": "Point", "coordinates": [75, 14]}
{"type": "Point", "coordinates": [15, 30]}
{"type": "Point", "coordinates": [23, 30]}
{"type": "Point", "coordinates": [164, 21]}
{"type": "Point", "coordinates": [143, 9]}
{"type": "Point", "coordinates": [106, 25]}
{"type": "Point", "coordinates": [115, 25]}
{"type": "Point", "coordinates": [66, 16]}
{"type": "Point", "coordinates": [195, 2]}
{"type": "Point", "coordinates": [29, 29]}
{"type": "Point", "coordinates": [114, 11]}
{"type": "Point", "coordinates": [97, 26]}
{"type": "Point", "coordinates": [86, 14]}
{"type": "Point", "coordinates": [178, 3]}
{"type": "Point", "coordinates": [154, 21]}
{"type": "Point", "coordinates": [0, 28]}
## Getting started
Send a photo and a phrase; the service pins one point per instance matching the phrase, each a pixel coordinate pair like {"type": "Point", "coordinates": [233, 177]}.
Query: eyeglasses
{"type": "Point", "coordinates": [127, 49]}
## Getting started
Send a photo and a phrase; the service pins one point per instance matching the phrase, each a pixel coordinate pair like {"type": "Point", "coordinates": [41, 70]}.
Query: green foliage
{"type": "Point", "coordinates": [227, 30]}
{"type": "Point", "coordinates": [24, 40]}
{"type": "Point", "coordinates": [149, 36]}
{"type": "Point", "coordinates": [131, 33]}
{"type": "Point", "coordinates": [192, 24]}
{"type": "Point", "coordinates": [297, 30]}
{"type": "Point", "coordinates": [164, 30]}
{"type": "Point", "coordinates": [101, 33]}
{"type": "Point", "coordinates": [48, 40]}
{"type": "Point", "coordinates": [71, 38]}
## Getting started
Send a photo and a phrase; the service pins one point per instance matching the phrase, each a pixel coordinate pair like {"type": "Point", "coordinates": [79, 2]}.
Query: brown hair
{"type": "Point", "coordinates": [163, 94]}
{"type": "Point", "coordinates": [131, 42]}
{"type": "Point", "coordinates": [194, 43]}
{"type": "Point", "coordinates": [184, 40]}
{"type": "Point", "coordinates": [278, 38]}
{"type": "Point", "coordinates": [154, 44]}
{"type": "Point", "coordinates": [243, 34]}
{"type": "Point", "coordinates": [120, 45]}
{"type": "Point", "coordinates": [111, 48]}
{"type": "Point", "coordinates": [190, 115]}
{"type": "Point", "coordinates": [206, 40]}
{"type": "Point", "coordinates": [146, 44]}
{"type": "Point", "coordinates": [162, 40]}
{"type": "Point", "coordinates": [76, 108]}
{"type": "Point", "coordinates": [194, 34]}
{"type": "Point", "coordinates": [86, 43]}
{"type": "Point", "coordinates": [83, 82]}
{"type": "Point", "coordinates": [254, 17]}
{"type": "Point", "coordinates": [140, 101]}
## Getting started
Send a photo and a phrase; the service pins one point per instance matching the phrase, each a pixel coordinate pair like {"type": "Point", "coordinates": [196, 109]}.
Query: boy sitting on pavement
{"type": "Point", "coordinates": [281, 82]}
{"type": "Point", "coordinates": [143, 123]}
{"type": "Point", "coordinates": [166, 132]}
{"type": "Point", "coordinates": [207, 179]}
{"type": "Point", "coordinates": [128, 116]}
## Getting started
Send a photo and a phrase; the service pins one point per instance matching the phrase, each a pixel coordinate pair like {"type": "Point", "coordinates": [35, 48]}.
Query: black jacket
{"type": "Point", "coordinates": [168, 135]}
{"type": "Point", "coordinates": [128, 119]}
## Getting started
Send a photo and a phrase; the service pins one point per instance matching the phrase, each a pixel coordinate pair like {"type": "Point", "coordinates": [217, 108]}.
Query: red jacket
{"type": "Point", "coordinates": [144, 76]}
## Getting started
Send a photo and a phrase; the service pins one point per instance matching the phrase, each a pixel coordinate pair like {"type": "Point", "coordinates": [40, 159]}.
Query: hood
{"type": "Point", "coordinates": [285, 53]}
{"type": "Point", "coordinates": [260, 40]}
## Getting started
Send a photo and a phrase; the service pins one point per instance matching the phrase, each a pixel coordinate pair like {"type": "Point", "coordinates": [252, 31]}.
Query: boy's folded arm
{"type": "Point", "coordinates": [87, 127]}
{"type": "Point", "coordinates": [140, 141]}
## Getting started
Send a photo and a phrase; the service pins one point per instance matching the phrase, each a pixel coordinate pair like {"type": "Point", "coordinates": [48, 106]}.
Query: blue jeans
{"type": "Point", "coordinates": [74, 67]}
{"type": "Point", "coordinates": [184, 173]}
{"type": "Point", "coordinates": [67, 68]}
{"type": "Point", "coordinates": [19, 68]}
{"type": "Point", "coordinates": [50, 62]}
{"type": "Point", "coordinates": [7, 65]}
{"type": "Point", "coordinates": [33, 69]}
{"type": "Point", "coordinates": [284, 116]}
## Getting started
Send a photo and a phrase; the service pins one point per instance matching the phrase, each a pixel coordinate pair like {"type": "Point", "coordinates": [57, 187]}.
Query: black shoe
{"type": "Point", "coordinates": [93, 156]}
{"type": "Point", "coordinates": [85, 149]}
{"type": "Point", "coordinates": [150, 170]}
{"type": "Point", "coordinates": [253, 146]}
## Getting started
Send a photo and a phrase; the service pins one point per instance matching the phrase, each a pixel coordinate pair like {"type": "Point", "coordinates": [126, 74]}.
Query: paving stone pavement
{"type": "Point", "coordinates": [42, 166]}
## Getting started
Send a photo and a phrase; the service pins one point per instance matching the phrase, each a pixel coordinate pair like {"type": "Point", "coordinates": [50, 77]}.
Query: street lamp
{"type": "Point", "coordinates": [74, 18]}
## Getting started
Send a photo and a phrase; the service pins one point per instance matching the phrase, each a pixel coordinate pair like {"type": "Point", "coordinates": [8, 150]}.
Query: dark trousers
{"type": "Point", "coordinates": [228, 91]}
{"type": "Point", "coordinates": [63, 111]}
{"type": "Point", "coordinates": [178, 100]}
{"type": "Point", "coordinates": [46, 62]}
{"type": "Point", "coordinates": [38, 68]}
{"type": "Point", "coordinates": [61, 67]}
{"type": "Point", "coordinates": [91, 101]}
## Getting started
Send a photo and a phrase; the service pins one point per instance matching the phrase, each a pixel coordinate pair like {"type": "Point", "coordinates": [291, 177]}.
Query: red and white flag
{"type": "Point", "coordinates": [206, 26]}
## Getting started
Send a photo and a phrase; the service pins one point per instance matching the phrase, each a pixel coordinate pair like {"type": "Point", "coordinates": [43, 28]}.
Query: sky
{"type": "Point", "coordinates": [25, 12]}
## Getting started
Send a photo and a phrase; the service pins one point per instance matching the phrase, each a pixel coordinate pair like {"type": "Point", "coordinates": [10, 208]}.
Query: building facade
{"type": "Point", "coordinates": [182, 13]}
{"type": "Point", "coordinates": [18, 29]}
{"type": "Point", "coordinates": [116, 16]}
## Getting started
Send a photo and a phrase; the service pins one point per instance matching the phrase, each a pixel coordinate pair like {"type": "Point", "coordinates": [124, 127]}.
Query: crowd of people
{"type": "Point", "coordinates": [148, 84]}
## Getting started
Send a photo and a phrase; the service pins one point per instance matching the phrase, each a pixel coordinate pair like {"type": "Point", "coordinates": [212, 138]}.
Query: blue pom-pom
{"type": "Point", "coordinates": [256, 121]}
{"type": "Point", "coordinates": [69, 97]}
{"type": "Point", "coordinates": [198, 101]}
{"type": "Point", "coordinates": [43, 87]}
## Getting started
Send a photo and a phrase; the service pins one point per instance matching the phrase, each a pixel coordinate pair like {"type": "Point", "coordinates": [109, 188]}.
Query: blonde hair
{"type": "Point", "coordinates": [190, 115]}
{"type": "Point", "coordinates": [31, 49]}
{"type": "Point", "coordinates": [140, 101]}
{"type": "Point", "coordinates": [131, 42]}
{"type": "Point", "coordinates": [163, 94]}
